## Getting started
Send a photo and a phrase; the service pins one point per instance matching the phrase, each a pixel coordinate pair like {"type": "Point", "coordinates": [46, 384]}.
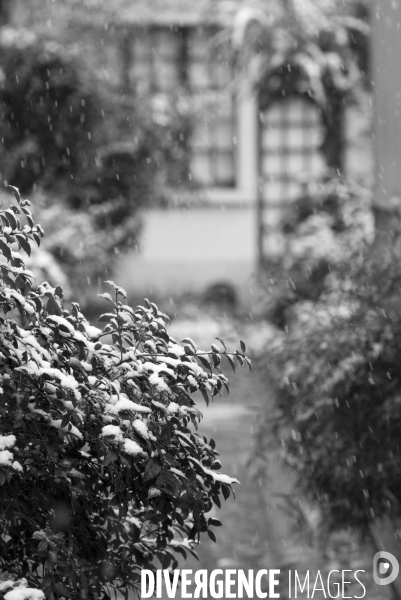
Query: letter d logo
{"type": "Point", "coordinates": [387, 570]}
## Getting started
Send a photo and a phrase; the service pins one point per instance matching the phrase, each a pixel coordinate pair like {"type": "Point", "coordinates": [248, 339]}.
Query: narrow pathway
{"type": "Point", "coordinates": [258, 533]}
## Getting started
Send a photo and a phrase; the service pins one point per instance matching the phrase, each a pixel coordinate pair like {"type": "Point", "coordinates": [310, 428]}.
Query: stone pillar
{"type": "Point", "coordinates": [386, 74]}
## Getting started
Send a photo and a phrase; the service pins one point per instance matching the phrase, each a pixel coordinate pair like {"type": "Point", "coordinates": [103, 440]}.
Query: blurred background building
{"type": "Point", "coordinates": [256, 135]}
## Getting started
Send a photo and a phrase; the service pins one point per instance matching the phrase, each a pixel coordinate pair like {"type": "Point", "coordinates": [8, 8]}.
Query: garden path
{"type": "Point", "coordinates": [259, 529]}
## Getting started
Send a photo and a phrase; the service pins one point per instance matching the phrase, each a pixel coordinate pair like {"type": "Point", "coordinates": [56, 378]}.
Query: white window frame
{"type": "Point", "coordinates": [245, 190]}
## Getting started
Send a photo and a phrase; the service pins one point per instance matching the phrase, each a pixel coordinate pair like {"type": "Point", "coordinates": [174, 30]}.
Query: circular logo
{"type": "Point", "coordinates": [385, 568]}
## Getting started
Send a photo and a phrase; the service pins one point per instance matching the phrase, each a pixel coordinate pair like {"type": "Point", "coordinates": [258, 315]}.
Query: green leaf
{"type": "Point", "coordinates": [11, 219]}
{"type": "Point", "coordinates": [38, 302]}
{"type": "Point", "coordinates": [61, 589]}
{"type": "Point", "coordinates": [231, 361]}
{"type": "Point", "coordinates": [16, 193]}
{"type": "Point", "coordinates": [65, 421]}
{"type": "Point", "coordinates": [106, 296]}
{"type": "Point", "coordinates": [205, 362]}
{"type": "Point", "coordinates": [110, 458]}
{"type": "Point", "coordinates": [240, 359]}
{"type": "Point", "coordinates": [226, 491]}
{"type": "Point", "coordinates": [47, 582]}
{"type": "Point", "coordinates": [24, 244]}
{"type": "Point", "coordinates": [59, 291]}
{"type": "Point", "coordinates": [242, 344]}
{"type": "Point", "coordinates": [5, 250]}
{"type": "Point", "coordinates": [221, 342]}
{"type": "Point", "coordinates": [168, 482]}
{"type": "Point", "coordinates": [188, 341]}
{"type": "Point", "coordinates": [109, 282]}
{"type": "Point", "coordinates": [205, 395]}
{"type": "Point", "coordinates": [215, 522]}
{"type": "Point", "coordinates": [28, 215]}
{"type": "Point", "coordinates": [216, 360]}
{"type": "Point", "coordinates": [106, 317]}
{"type": "Point", "coordinates": [216, 500]}
{"type": "Point", "coordinates": [53, 308]}
{"type": "Point", "coordinates": [212, 536]}
{"type": "Point", "coordinates": [152, 469]}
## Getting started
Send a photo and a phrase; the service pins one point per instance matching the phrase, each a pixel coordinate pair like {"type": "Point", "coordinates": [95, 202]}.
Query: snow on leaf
{"type": "Point", "coordinates": [7, 441]}
{"type": "Point", "coordinates": [131, 447]}
{"type": "Point", "coordinates": [220, 477]}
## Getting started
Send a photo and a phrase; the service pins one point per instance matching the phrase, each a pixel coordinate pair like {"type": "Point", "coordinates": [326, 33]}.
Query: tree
{"type": "Point", "coordinates": [95, 155]}
{"type": "Point", "coordinates": [304, 48]}
{"type": "Point", "coordinates": [102, 472]}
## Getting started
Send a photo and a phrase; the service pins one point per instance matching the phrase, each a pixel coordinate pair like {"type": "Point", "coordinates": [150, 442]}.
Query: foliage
{"type": "Point", "coordinates": [305, 48]}
{"type": "Point", "coordinates": [48, 113]}
{"type": "Point", "coordinates": [338, 392]}
{"type": "Point", "coordinates": [95, 154]}
{"type": "Point", "coordinates": [102, 472]}
{"type": "Point", "coordinates": [329, 226]}
{"type": "Point", "coordinates": [83, 252]}
{"type": "Point", "coordinates": [316, 50]}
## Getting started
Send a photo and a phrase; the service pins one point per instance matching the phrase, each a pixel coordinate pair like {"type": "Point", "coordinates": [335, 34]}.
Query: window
{"type": "Point", "coordinates": [165, 59]}
{"type": "Point", "coordinates": [291, 136]}
{"type": "Point", "coordinates": [212, 161]}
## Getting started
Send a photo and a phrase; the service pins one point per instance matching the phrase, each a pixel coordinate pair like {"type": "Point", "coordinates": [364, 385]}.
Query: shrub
{"type": "Point", "coordinates": [338, 393]}
{"type": "Point", "coordinates": [96, 154]}
{"type": "Point", "coordinates": [48, 113]}
{"type": "Point", "coordinates": [329, 226]}
{"type": "Point", "coordinates": [102, 472]}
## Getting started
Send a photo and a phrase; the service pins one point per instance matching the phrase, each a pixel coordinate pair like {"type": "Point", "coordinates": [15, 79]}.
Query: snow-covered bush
{"type": "Point", "coordinates": [338, 389]}
{"type": "Point", "coordinates": [330, 226]}
{"type": "Point", "coordinates": [338, 393]}
{"type": "Point", "coordinates": [102, 472]}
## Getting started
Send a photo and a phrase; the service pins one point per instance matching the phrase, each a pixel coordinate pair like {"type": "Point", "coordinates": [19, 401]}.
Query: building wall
{"type": "Point", "coordinates": [188, 250]}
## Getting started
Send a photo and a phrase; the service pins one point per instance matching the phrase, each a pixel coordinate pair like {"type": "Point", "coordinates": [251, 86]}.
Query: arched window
{"type": "Point", "coordinates": [291, 136]}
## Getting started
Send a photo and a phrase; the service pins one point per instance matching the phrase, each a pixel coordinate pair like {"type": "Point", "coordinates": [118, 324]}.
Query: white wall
{"type": "Point", "coordinates": [188, 250]}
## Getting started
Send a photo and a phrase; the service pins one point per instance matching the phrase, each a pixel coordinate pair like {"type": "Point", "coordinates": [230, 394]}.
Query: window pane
{"type": "Point", "coordinates": [272, 165]}
{"type": "Point", "coordinates": [272, 191]}
{"type": "Point", "coordinates": [297, 138]}
{"type": "Point", "coordinates": [224, 169]}
{"type": "Point", "coordinates": [317, 165]}
{"type": "Point", "coordinates": [272, 138]}
{"type": "Point", "coordinates": [221, 73]}
{"type": "Point", "coordinates": [166, 59]}
{"type": "Point", "coordinates": [166, 75]}
{"type": "Point", "coordinates": [291, 137]}
{"type": "Point", "coordinates": [296, 111]}
{"type": "Point", "coordinates": [213, 135]}
{"type": "Point", "coordinates": [198, 75]}
{"type": "Point", "coordinates": [273, 116]}
{"type": "Point", "coordinates": [201, 136]}
{"type": "Point", "coordinates": [223, 135]}
{"type": "Point", "coordinates": [295, 164]}
{"type": "Point", "coordinates": [200, 169]}
{"type": "Point", "coordinates": [315, 136]}
{"type": "Point", "coordinates": [198, 45]}
{"type": "Point", "coordinates": [293, 191]}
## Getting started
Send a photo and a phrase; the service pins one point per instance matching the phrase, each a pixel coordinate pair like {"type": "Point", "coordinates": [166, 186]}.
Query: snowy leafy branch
{"type": "Point", "coordinates": [102, 471]}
